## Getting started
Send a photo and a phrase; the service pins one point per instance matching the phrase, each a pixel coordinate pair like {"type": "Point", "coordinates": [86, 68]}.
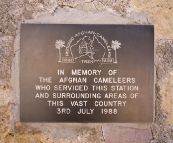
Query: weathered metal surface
{"type": "Point", "coordinates": [86, 73]}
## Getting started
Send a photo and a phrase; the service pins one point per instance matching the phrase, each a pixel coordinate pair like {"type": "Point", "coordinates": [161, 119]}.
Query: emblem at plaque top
{"type": "Point", "coordinates": [88, 47]}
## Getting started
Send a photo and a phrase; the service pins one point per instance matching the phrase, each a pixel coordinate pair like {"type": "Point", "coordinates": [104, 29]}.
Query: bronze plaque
{"type": "Point", "coordinates": [86, 73]}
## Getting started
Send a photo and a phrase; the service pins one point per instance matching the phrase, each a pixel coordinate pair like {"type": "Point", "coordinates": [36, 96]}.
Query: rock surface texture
{"type": "Point", "coordinates": [15, 12]}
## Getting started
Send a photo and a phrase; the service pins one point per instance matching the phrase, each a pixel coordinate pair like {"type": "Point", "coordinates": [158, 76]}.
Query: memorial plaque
{"type": "Point", "coordinates": [86, 73]}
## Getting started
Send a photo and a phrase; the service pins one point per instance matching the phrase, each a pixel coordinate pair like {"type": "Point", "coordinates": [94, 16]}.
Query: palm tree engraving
{"type": "Point", "coordinates": [115, 45]}
{"type": "Point", "coordinates": [59, 44]}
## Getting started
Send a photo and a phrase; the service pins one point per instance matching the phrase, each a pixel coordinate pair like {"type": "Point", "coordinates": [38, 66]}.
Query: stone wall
{"type": "Point", "coordinates": [15, 12]}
